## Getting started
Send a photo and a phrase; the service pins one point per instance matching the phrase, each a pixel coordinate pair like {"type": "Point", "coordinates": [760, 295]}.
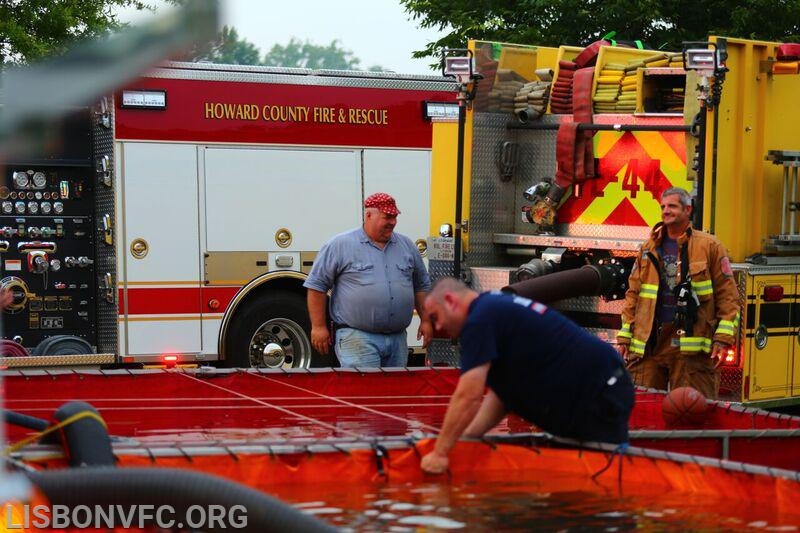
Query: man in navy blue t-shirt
{"type": "Point", "coordinates": [535, 363]}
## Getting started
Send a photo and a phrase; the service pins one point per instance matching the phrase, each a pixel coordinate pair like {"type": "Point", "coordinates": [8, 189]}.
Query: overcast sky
{"type": "Point", "coordinates": [378, 32]}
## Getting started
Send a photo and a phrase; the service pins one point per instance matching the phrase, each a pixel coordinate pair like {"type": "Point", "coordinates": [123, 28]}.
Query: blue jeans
{"type": "Point", "coordinates": [356, 348]}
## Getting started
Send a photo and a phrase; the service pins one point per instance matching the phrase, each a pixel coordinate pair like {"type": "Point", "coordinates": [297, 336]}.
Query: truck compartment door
{"type": "Point", "coordinates": [406, 175]}
{"type": "Point", "coordinates": [159, 250]}
{"type": "Point", "coordinates": [252, 193]}
{"type": "Point", "coordinates": [771, 337]}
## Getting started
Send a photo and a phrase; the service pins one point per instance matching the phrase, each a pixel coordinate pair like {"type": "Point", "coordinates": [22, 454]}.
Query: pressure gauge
{"type": "Point", "coordinates": [21, 180]}
{"type": "Point", "coordinates": [46, 208]}
{"type": "Point", "coordinates": [58, 208]}
{"type": "Point", "coordinates": [33, 208]}
{"type": "Point", "coordinates": [39, 180]}
{"type": "Point", "coordinates": [19, 289]}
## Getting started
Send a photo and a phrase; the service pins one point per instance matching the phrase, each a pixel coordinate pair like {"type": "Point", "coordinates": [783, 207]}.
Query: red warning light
{"type": "Point", "coordinates": [773, 293]}
{"type": "Point", "coordinates": [730, 356]}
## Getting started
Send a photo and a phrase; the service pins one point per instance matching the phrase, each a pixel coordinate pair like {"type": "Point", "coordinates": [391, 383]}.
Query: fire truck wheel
{"type": "Point", "coordinates": [272, 332]}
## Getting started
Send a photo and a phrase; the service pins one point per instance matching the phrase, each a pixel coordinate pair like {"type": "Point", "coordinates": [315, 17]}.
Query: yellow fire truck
{"type": "Point", "coordinates": [716, 118]}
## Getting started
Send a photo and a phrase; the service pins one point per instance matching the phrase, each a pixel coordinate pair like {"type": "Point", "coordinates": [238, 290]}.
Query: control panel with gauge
{"type": "Point", "coordinates": [47, 248]}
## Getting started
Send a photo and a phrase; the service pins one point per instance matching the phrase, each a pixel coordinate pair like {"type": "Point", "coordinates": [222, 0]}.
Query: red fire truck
{"type": "Point", "coordinates": [181, 216]}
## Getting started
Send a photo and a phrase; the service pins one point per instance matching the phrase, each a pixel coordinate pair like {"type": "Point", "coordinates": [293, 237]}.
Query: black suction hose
{"type": "Point", "coordinates": [86, 439]}
{"type": "Point", "coordinates": [584, 281]}
{"type": "Point", "coordinates": [25, 421]}
{"type": "Point", "coordinates": [180, 489]}
{"type": "Point", "coordinates": [98, 483]}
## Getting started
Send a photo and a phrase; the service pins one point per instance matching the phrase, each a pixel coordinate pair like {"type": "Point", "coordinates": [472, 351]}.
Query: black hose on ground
{"type": "Point", "coordinates": [584, 281]}
{"type": "Point", "coordinates": [179, 489]}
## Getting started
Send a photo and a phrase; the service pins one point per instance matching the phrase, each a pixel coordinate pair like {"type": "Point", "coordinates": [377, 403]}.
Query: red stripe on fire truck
{"type": "Point", "coordinates": [175, 300]}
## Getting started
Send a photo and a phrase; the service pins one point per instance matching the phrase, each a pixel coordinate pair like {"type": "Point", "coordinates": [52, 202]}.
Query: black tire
{"type": "Point", "coordinates": [278, 317]}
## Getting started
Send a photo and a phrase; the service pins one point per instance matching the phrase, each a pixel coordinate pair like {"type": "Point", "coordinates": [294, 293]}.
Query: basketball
{"type": "Point", "coordinates": [684, 407]}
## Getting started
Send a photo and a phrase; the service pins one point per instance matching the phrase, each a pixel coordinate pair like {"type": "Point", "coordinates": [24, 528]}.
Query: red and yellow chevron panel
{"type": "Point", "coordinates": [634, 168]}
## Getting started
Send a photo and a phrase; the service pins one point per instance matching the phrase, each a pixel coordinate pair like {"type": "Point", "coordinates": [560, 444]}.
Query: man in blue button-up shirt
{"type": "Point", "coordinates": [377, 279]}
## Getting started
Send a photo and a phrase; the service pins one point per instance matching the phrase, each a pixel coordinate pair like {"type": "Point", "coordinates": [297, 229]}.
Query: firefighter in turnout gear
{"type": "Point", "coordinates": [682, 306]}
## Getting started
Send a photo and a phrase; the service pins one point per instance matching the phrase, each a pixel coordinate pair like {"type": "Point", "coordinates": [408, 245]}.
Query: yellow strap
{"type": "Point", "coordinates": [50, 429]}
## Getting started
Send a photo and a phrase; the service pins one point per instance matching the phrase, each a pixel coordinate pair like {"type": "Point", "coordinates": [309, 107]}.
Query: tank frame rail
{"type": "Point", "coordinates": [381, 447]}
{"type": "Point", "coordinates": [752, 409]}
{"type": "Point", "coordinates": [561, 241]}
{"type": "Point", "coordinates": [126, 445]}
{"type": "Point", "coordinates": [535, 439]}
{"type": "Point", "coordinates": [209, 370]}
{"type": "Point", "coordinates": [38, 361]}
{"type": "Point", "coordinates": [192, 449]}
{"type": "Point", "coordinates": [724, 436]}
{"type": "Point", "coordinates": [734, 466]}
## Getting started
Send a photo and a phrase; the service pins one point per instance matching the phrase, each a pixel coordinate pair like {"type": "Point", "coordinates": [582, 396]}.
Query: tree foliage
{"type": "Point", "coordinates": [662, 24]}
{"type": "Point", "coordinates": [33, 29]}
{"type": "Point", "coordinates": [308, 55]}
{"type": "Point", "coordinates": [227, 48]}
